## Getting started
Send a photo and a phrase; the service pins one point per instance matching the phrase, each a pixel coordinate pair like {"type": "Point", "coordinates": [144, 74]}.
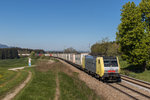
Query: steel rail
{"type": "Point", "coordinates": [134, 90]}
{"type": "Point", "coordinates": [123, 92]}
{"type": "Point", "coordinates": [134, 82]}
{"type": "Point", "coordinates": [147, 83]}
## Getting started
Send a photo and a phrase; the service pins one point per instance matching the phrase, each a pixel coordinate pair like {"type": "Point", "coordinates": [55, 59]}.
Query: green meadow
{"type": "Point", "coordinates": [10, 79]}
{"type": "Point", "coordinates": [43, 84]}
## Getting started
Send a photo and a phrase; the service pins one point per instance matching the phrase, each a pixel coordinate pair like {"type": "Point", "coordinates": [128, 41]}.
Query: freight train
{"type": "Point", "coordinates": [104, 68]}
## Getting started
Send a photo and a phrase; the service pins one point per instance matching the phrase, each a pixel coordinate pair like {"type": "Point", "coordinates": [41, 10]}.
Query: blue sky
{"type": "Point", "coordinates": [58, 24]}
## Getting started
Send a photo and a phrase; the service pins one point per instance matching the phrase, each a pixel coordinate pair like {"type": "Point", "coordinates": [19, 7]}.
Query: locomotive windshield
{"type": "Point", "coordinates": [110, 63]}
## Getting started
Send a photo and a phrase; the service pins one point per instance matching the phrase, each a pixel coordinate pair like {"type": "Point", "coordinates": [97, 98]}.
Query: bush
{"type": "Point", "coordinates": [32, 55]}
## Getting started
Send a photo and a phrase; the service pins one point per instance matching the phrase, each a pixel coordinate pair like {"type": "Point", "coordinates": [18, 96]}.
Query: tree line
{"type": "Point", "coordinates": [12, 53]}
{"type": "Point", "coordinates": [8, 53]}
{"type": "Point", "coordinates": [28, 51]}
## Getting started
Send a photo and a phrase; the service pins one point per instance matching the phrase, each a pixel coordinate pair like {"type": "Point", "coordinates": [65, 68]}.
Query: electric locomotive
{"type": "Point", "coordinates": [105, 68]}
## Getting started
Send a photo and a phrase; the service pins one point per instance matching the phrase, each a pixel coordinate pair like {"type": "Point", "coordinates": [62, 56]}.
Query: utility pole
{"type": "Point", "coordinates": [89, 47]}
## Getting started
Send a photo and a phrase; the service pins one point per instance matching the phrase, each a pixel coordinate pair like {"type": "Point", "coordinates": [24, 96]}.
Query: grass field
{"type": "Point", "coordinates": [10, 63]}
{"type": "Point", "coordinates": [43, 85]}
{"type": "Point", "coordinates": [10, 79]}
{"type": "Point", "coordinates": [134, 71]}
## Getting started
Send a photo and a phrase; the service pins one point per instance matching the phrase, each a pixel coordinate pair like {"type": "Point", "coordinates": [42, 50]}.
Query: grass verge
{"type": "Point", "coordinates": [6, 75]}
{"type": "Point", "coordinates": [42, 87]}
{"type": "Point", "coordinates": [133, 71]}
{"type": "Point", "coordinates": [11, 82]}
{"type": "Point", "coordinates": [71, 88]}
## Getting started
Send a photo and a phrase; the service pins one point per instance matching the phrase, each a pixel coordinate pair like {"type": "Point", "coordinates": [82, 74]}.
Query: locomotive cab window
{"type": "Point", "coordinates": [110, 63]}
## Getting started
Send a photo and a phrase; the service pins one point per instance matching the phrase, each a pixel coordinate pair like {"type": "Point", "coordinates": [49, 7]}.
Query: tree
{"type": "Point", "coordinates": [132, 35]}
{"type": "Point", "coordinates": [113, 49]}
{"type": "Point", "coordinates": [70, 50]}
{"type": "Point", "coordinates": [0, 53]}
{"type": "Point", "coordinates": [100, 48]}
{"type": "Point", "coordinates": [105, 48]}
{"type": "Point", "coordinates": [145, 10]}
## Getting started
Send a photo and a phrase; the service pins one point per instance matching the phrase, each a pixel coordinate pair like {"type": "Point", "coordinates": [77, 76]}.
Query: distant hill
{"type": "Point", "coordinates": [4, 46]}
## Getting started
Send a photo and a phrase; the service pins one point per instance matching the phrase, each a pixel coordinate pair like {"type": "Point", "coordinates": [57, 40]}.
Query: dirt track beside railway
{"type": "Point", "coordinates": [13, 93]}
{"type": "Point", "coordinates": [102, 89]}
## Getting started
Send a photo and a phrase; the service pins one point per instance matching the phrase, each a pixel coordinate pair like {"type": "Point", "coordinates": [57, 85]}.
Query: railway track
{"type": "Point", "coordinates": [124, 92]}
{"type": "Point", "coordinates": [123, 88]}
{"type": "Point", "coordinates": [130, 91]}
{"type": "Point", "coordinates": [136, 81]}
{"type": "Point", "coordinates": [135, 94]}
{"type": "Point", "coordinates": [133, 91]}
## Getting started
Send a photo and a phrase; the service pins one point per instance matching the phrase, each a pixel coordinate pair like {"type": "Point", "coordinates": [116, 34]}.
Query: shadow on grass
{"type": "Point", "coordinates": [133, 68]}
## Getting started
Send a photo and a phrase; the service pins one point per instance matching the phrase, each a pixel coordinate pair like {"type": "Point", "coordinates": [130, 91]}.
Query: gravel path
{"type": "Point", "coordinates": [100, 88]}
{"type": "Point", "coordinates": [13, 93]}
{"type": "Point", "coordinates": [20, 68]}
